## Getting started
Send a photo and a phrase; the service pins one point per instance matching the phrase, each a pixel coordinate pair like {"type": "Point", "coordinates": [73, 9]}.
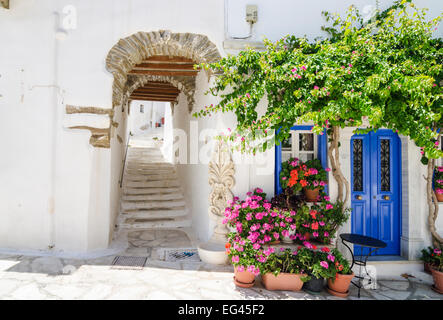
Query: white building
{"type": "Point", "coordinates": [68, 73]}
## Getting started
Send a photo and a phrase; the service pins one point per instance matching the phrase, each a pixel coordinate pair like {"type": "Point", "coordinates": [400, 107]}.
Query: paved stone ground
{"type": "Point", "coordinates": [26, 277]}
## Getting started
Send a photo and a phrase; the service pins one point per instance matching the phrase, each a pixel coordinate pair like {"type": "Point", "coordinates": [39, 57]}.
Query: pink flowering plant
{"type": "Point", "coordinates": [255, 219]}
{"type": "Point", "coordinates": [317, 263]}
{"type": "Point", "coordinates": [438, 180]}
{"type": "Point", "coordinates": [434, 257]}
{"type": "Point", "coordinates": [242, 254]}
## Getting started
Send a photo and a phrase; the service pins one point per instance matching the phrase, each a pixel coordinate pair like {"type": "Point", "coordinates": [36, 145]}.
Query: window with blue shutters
{"type": "Point", "coordinates": [301, 144]}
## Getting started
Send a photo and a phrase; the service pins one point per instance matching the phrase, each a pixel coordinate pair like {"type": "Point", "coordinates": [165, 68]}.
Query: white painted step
{"type": "Point", "coordinates": [136, 191]}
{"type": "Point", "coordinates": [153, 196]}
{"type": "Point", "coordinates": [153, 184]}
{"type": "Point", "coordinates": [154, 214]}
{"type": "Point", "coordinates": [152, 177]}
{"type": "Point", "coordinates": [158, 224]}
{"type": "Point", "coordinates": [131, 205]}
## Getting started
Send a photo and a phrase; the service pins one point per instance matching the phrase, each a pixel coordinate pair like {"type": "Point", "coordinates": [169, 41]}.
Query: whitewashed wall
{"type": "Point", "coordinates": [57, 190]}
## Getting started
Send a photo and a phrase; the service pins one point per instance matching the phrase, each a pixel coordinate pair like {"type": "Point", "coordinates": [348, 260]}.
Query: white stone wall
{"type": "Point", "coordinates": [59, 191]}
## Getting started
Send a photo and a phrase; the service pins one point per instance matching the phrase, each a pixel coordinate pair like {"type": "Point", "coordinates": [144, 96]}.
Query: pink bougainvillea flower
{"type": "Point", "coordinates": [235, 259]}
{"type": "Point", "coordinates": [329, 206]}
{"type": "Point", "coordinates": [303, 67]}
{"type": "Point", "coordinates": [276, 235]}
{"type": "Point", "coordinates": [315, 234]}
{"type": "Point", "coordinates": [240, 268]}
{"type": "Point", "coordinates": [316, 88]}
{"type": "Point", "coordinates": [256, 246]}
{"type": "Point", "coordinates": [331, 257]}
{"type": "Point", "coordinates": [326, 234]}
{"type": "Point", "coordinates": [324, 264]}
{"type": "Point", "coordinates": [293, 70]}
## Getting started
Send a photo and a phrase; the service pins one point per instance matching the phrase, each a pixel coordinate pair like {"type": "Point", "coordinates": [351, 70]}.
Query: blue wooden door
{"type": "Point", "coordinates": [376, 188]}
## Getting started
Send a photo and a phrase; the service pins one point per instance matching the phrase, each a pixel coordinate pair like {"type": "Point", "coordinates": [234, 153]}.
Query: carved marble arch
{"type": "Point", "coordinates": [132, 50]}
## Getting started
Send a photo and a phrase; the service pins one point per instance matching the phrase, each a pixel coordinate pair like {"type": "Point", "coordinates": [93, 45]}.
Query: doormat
{"type": "Point", "coordinates": [128, 263]}
{"type": "Point", "coordinates": [187, 255]}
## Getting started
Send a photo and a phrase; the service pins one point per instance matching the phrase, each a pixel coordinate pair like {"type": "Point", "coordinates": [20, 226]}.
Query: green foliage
{"type": "Point", "coordinates": [385, 73]}
{"type": "Point", "coordinates": [285, 262]}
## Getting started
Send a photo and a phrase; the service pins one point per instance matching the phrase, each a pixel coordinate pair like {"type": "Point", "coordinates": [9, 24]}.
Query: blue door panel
{"type": "Point", "coordinates": [377, 163]}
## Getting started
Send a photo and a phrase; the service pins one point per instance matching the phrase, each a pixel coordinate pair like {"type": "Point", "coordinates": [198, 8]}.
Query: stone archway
{"type": "Point", "coordinates": [132, 50]}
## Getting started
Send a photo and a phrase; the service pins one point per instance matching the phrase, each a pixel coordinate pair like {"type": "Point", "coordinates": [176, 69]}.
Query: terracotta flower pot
{"type": "Point", "coordinates": [311, 195]}
{"type": "Point", "coordinates": [244, 277]}
{"type": "Point", "coordinates": [283, 281]}
{"type": "Point", "coordinates": [438, 280]}
{"type": "Point", "coordinates": [439, 197]}
{"type": "Point", "coordinates": [340, 285]}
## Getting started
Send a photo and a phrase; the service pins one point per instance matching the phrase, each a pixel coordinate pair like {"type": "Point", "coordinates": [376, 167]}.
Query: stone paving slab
{"type": "Point", "coordinates": [54, 278]}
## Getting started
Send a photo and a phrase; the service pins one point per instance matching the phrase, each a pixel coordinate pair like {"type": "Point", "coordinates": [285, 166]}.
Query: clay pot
{"type": "Point", "coordinates": [340, 284]}
{"type": "Point", "coordinates": [438, 280]}
{"type": "Point", "coordinates": [311, 195]}
{"type": "Point", "coordinates": [439, 197]}
{"type": "Point", "coordinates": [283, 281]}
{"type": "Point", "coordinates": [274, 242]}
{"type": "Point", "coordinates": [244, 277]}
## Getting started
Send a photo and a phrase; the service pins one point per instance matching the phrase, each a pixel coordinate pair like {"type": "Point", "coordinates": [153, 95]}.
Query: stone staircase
{"type": "Point", "coordinates": [152, 197]}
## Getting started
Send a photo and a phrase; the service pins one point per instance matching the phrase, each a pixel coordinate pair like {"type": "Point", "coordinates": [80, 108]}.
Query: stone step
{"type": "Point", "coordinates": [141, 169]}
{"type": "Point", "coordinates": [154, 214]}
{"type": "Point", "coordinates": [152, 184]}
{"type": "Point", "coordinates": [157, 224]}
{"type": "Point", "coordinates": [153, 197]}
{"type": "Point", "coordinates": [152, 177]}
{"type": "Point", "coordinates": [147, 173]}
{"type": "Point", "coordinates": [133, 205]}
{"type": "Point", "coordinates": [137, 191]}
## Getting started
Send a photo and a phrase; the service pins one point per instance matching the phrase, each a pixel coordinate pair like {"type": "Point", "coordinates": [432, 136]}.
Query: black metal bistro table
{"type": "Point", "coordinates": [372, 244]}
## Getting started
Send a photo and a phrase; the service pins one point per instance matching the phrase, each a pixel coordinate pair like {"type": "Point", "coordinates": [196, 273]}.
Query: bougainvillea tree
{"type": "Point", "coordinates": [385, 73]}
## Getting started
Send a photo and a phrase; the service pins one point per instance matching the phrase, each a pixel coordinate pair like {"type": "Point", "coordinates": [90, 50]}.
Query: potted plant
{"type": "Point", "coordinates": [436, 264]}
{"type": "Point", "coordinates": [426, 257]}
{"type": "Point", "coordinates": [242, 256]}
{"type": "Point", "coordinates": [318, 265]}
{"type": "Point", "coordinates": [438, 183]}
{"type": "Point", "coordinates": [309, 177]}
{"type": "Point", "coordinates": [288, 232]}
{"type": "Point", "coordinates": [283, 271]}
{"type": "Point", "coordinates": [316, 179]}
{"type": "Point", "coordinates": [339, 285]}
{"type": "Point", "coordinates": [320, 221]}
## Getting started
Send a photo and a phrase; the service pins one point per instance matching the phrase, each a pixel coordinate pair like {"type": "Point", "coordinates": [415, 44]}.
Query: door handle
{"type": "Point", "coordinates": [359, 197]}
{"type": "Point", "coordinates": [386, 197]}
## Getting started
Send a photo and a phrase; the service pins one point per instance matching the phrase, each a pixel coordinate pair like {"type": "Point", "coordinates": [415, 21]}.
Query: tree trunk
{"type": "Point", "coordinates": [334, 157]}
{"type": "Point", "coordinates": [437, 240]}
